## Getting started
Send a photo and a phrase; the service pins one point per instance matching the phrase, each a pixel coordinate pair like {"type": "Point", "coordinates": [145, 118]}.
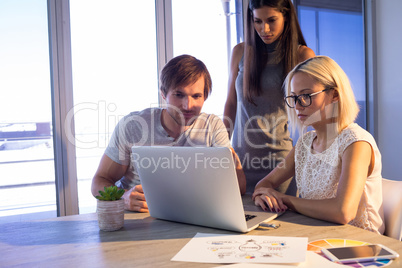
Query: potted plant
{"type": "Point", "coordinates": [110, 209]}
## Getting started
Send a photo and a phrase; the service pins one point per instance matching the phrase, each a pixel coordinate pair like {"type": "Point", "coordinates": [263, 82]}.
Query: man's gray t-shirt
{"type": "Point", "coordinates": [144, 128]}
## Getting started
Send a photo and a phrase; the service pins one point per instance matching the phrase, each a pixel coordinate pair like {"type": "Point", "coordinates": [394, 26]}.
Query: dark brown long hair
{"type": "Point", "coordinates": [255, 55]}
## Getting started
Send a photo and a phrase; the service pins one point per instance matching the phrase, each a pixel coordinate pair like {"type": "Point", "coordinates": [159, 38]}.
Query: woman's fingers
{"type": "Point", "coordinates": [258, 202]}
{"type": "Point", "coordinates": [269, 198]}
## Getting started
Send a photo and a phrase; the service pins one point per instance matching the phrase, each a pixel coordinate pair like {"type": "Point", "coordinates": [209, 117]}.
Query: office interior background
{"type": "Point", "coordinates": [70, 69]}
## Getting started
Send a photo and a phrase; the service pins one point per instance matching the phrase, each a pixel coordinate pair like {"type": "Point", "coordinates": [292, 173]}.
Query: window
{"type": "Point", "coordinates": [116, 75]}
{"type": "Point", "coordinates": [208, 30]}
{"type": "Point", "coordinates": [105, 57]}
{"type": "Point", "coordinates": [336, 29]}
{"type": "Point", "coordinates": [27, 183]}
{"type": "Point", "coordinates": [114, 63]}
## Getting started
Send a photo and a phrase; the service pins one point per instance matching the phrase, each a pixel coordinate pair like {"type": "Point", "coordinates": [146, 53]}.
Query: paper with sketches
{"type": "Point", "coordinates": [212, 248]}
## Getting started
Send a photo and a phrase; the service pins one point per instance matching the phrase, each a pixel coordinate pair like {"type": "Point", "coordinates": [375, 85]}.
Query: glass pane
{"type": "Point", "coordinates": [114, 73]}
{"type": "Point", "coordinates": [308, 24]}
{"type": "Point", "coordinates": [339, 35]}
{"type": "Point", "coordinates": [200, 29]}
{"type": "Point", "coordinates": [347, 49]}
{"type": "Point", "coordinates": [27, 182]}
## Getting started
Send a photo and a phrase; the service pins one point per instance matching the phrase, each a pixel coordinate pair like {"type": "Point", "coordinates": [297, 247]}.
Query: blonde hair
{"type": "Point", "coordinates": [328, 73]}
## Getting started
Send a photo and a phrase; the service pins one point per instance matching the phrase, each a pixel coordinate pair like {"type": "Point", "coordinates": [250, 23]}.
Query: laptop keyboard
{"type": "Point", "coordinates": [249, 217]}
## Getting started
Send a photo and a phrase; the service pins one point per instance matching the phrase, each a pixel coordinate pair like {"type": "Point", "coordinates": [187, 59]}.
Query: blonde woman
{"type": "Point", "coordinates": [337, 165]}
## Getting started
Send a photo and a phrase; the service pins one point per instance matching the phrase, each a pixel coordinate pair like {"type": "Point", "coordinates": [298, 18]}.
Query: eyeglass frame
{"type": "Point", "coordinates": [296, 98]}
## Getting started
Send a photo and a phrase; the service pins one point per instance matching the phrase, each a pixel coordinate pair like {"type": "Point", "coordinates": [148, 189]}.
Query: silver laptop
{"type": "Point", "coordinates": [194, 185]}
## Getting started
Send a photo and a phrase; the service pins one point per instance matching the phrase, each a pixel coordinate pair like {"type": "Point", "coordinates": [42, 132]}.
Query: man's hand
{"type": "Point", "coordinates": [134, 200]}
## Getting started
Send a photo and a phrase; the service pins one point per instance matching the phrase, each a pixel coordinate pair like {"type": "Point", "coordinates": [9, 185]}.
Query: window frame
{"type": "Point", "coordinates": [62, 103]}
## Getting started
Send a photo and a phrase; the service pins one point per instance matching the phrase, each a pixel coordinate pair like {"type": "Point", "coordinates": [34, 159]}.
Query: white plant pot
{"type": "Point", "coordinates": [110, 214]}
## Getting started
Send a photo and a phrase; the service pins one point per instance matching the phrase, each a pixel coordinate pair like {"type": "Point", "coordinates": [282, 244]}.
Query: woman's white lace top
{"type": "Point", "coordinates": [318, 174]}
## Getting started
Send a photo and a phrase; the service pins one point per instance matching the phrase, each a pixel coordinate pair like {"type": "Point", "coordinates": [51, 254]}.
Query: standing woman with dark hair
{"type": "Point", "coordinates": [255, 111]}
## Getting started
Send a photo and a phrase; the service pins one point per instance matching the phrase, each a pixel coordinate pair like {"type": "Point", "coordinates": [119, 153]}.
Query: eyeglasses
{"type": "Point", "coordinates": [303, 99]}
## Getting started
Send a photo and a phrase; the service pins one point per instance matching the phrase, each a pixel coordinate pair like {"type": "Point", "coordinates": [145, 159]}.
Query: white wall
{"type": "Point", "coordinates": [389, 85]}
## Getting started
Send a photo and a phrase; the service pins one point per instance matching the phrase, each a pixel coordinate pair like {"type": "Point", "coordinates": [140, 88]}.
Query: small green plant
{"type": "Point", "coordinates": [110, 193]}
